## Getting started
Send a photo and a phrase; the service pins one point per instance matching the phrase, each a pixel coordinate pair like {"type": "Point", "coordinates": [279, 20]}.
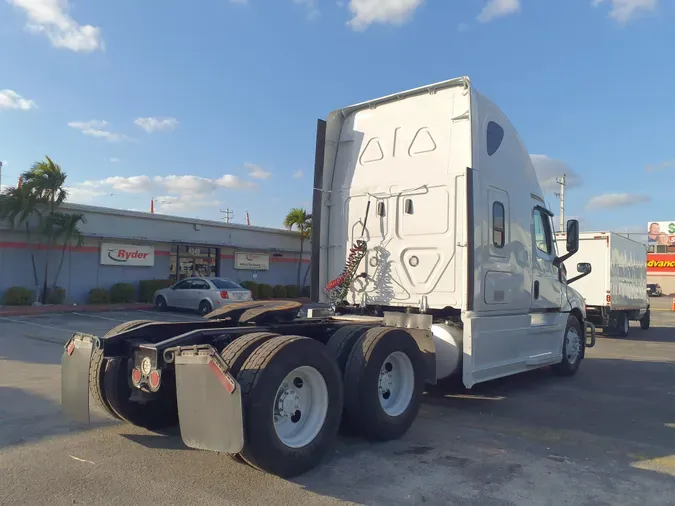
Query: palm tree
{"type": "Point", "coordinates": [45, 182]}
{"type": "Point", "coordinates": [302, 221]}
{"type": "Point", "coordinates": [17, 206]}
{"type": "Point", "coordinates": [66, 229]}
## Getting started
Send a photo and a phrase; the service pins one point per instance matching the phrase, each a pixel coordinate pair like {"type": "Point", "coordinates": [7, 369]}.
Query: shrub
{"type": "Point", "coordinates": [305, 292]}
{"type": "Point", "coordinates": [252, 286]}
{"type": "Point", "coordinates": [265, 291]}
{"type": "Point", "coordinates": [147, 288]}
{"type": "Point", "coordinates": [279, 291]}
{"type": "Point", "coordinates": [18, 296]}
{"type": "Point", "coordinates": [292, 291]}
{"type": "Point", "coordinates": [122, 292]}
{"type": "Point", "coordinates": [98, 296]}
{"type": "Point", "coordinates": [56, 295]}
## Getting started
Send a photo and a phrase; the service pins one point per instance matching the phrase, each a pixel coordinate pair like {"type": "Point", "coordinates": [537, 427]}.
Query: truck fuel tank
{"type": "Point", "coordinates": [448, 345]}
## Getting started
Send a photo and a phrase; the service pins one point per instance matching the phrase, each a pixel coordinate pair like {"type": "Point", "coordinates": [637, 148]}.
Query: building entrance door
{"type": "Point", "coordinates": [189, 261]}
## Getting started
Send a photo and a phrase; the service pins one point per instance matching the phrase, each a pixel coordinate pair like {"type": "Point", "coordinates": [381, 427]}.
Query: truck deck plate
{"type": "Point", "coordinates": [258, 311]}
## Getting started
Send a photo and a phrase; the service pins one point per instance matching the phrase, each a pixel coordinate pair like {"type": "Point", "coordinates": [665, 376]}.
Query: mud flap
{"type": "Point", "coordinates": [209, 401]}
{"type": "Point", "coordinates": [75, 376]}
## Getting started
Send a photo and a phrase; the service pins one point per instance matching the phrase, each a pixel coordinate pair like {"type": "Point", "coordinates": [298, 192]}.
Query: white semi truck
{"type": "Point", "coordinates": [615, 292]}
{"type": "Point", "coordinates": [435, 253]}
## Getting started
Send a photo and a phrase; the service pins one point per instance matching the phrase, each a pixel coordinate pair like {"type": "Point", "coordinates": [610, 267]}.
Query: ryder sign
{"type": "Point", "coordinates": [127, 255]}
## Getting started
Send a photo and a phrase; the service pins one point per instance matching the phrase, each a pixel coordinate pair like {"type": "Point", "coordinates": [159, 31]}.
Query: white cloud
{"type": "Point", "coordinates": [368, 12]}
{"type": "Point", "coordinates": [51, 18]}
{"type": "Point", "coordinates": [80, 195]}
{"type": "Point", "coordinates": [667, 164]}
{"type": "Point", "coordinates": [156, 124]}
{"type": "Point", "coordinates": [613, 200]}
{"type": "Point", "coordinates": [95, 128]}
{"type": "Point", "coordinates": [310, 5]}
{"type": "Point", "coordinates": [170, 204]}
{"type": "Point", "coordinates": [298, 174]}
{"type": "Point", "coordinates": [498, 8]}
{"type": "Point", "coordinates": [623, 11]}
{"type": "Point", "coordinates": [10, 99]}
{"type": "Point", "coordinates": [114, 160]}
{"type": "Point", "coordinates": [548, 169]}
{"type": "Point", "coordinates": [257, 172]}
{"type": "Point", "coordinates": [182, 186]}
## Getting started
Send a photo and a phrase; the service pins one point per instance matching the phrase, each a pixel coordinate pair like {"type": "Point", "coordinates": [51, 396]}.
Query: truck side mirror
{"type": "Point", "coordinates": [584, 268]}
{"type": "Point", "coordinates": [572, 242]}
{"type": "Point", "coordinates": [572, 236]}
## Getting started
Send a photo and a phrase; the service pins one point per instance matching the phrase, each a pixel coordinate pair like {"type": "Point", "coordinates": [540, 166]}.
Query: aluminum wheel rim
{"type": "Point", "coordinates": [396, 383]}
{"type": "Point", "coordinates": [573, 345]}
{"type": "Point", "coordinates": [300, 407]}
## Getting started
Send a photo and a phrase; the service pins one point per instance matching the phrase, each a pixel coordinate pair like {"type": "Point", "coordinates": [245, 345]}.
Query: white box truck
{"type": "Point", "coordinates": [616, 288]}
{"type": "Point", "coordinates": [434, 249]}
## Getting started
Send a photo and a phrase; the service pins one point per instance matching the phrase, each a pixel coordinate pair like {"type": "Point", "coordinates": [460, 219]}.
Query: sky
{"type": "Point", "coordinates": [212, 105]}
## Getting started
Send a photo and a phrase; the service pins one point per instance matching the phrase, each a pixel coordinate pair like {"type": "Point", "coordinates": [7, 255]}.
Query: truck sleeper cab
{"type": "Point", "coordinates": [435, 253]}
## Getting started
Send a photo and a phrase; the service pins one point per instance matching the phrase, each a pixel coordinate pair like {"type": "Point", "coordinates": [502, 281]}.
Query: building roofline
{"type": "Point", "coordinates": [175, 219]}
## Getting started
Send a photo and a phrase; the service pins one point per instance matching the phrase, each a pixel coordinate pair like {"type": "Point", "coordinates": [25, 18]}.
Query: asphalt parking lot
{"type": "Point", "coordinates": [606, 436]}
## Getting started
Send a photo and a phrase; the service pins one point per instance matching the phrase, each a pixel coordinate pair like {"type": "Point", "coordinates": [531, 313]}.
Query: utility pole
{"type": "Point", "coordinates": [0, 176]}
{"type": "Point", "coordinates": [561, 196]}
{"type": "Point", "coordinates": [229, 214]}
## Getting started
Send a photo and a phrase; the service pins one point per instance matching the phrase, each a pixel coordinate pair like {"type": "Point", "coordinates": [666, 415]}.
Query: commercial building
{"type": "Point", "coordinates": [661, 255]}
{"type": "Point", "coordinates": [127, 246]}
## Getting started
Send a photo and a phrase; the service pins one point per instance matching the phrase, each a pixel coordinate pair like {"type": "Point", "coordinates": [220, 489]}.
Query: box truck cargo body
{"type": "Point", "coordinates": [616, 289]}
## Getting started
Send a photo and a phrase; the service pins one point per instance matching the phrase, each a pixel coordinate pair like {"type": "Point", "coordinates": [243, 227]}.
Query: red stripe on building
{"type": "Point", "coordinates": [59, 247]}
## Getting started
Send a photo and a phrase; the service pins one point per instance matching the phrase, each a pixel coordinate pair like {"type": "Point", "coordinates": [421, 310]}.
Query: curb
{"type": "Point", "coordinates": [89, 308]}
{"type": "Point", "coordinates": [38, 310]}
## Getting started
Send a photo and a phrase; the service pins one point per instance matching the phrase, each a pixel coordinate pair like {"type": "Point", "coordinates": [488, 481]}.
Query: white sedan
{"type": "Point", "coordinates": [202, 294]}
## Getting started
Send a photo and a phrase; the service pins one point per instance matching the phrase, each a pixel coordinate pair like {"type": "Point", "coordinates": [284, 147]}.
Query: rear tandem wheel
{"type": "Point", "coordinates": [98, 364]}
{"type": "Point", "coordinates": [292, 398]}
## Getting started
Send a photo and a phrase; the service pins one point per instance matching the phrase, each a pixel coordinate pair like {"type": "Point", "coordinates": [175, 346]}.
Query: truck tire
{"type": "Point", "coordinates": [98, 362]}
{"type": "Point", "coordinates": [340, 344]}
{"type": "Point", "coordinates": [292, 398]}
{"type": "Point", "coordinates": [645, 321]}
{"type": "Point", "coordinates": [235, 355]}
{"type": "Point", "coordinates": [384, 384]}
{"type": "Point", "coordinates": [158, 412]}
{"type": "Point", "coordinates": [573, 348]}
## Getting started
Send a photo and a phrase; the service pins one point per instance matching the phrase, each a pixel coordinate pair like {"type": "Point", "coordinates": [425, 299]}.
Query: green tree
{"type": "Point", "coordinates": [35, 205]}
{"type": "Point", "coordinates": [19, 207]}
{"type": "Point", "coordinates": [299, 219]}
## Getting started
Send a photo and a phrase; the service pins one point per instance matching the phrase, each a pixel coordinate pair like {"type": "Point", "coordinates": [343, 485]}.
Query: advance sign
{"type": "Point", "coordinates": [127, 255]}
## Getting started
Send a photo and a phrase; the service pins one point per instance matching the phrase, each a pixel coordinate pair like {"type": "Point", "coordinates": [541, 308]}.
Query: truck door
{"type": "Point", "coordinates": [547, 293]}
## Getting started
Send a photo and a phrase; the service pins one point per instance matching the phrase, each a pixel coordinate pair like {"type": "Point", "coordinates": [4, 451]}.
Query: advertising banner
{"type": "Point", "coordinates": [661, 232]}
{"type": "Point", "coordinates": [127, 255]}
{"type": "Point", "coordinates": [660, 263]}
{"type": "Point", "coordinates": [252, 261]}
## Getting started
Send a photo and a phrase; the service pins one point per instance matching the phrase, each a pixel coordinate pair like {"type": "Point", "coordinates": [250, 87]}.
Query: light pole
{"type": "Point", "coordinates": [561, 196]}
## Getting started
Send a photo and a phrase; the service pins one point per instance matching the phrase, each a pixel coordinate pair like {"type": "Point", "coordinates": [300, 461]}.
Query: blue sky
{"type": "Point", "coordinates": [213, 104]}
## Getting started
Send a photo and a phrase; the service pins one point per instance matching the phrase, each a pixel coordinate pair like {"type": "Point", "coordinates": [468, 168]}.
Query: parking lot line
{"type": "Point", "coordinates": [100, 317]}
{"type": "Point", "coordinates": [49, 327]}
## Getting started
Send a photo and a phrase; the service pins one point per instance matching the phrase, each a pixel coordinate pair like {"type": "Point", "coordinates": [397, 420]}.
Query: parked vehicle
{"type": "Point", "coordinates": [654, 290]}
{"type": "Point", "coordinates": [435, 252]}
{"type": "Point", "coordinates": [614, 291]}
{"type": "Point", "coordinates": [202, 294]}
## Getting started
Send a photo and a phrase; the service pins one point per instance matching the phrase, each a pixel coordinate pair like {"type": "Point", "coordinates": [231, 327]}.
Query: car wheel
{"type": "Point", "coordinates": [205, 307]}
{"type": "Point", "coordinates": [160, 303]}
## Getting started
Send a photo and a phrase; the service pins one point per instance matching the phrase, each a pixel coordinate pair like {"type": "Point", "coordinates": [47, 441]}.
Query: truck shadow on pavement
{"type": "Point", "coordinates": [655, 334]}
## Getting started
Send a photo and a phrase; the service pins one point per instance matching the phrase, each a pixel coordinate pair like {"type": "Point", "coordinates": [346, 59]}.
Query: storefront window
{"type": "Point", "coordinates": [188, 260]}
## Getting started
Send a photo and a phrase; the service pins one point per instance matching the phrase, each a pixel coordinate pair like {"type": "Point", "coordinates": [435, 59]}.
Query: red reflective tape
{"type": "Point", "coordinates": [71, 348]}
{"type": "Point", "coordinates": [222, 377]}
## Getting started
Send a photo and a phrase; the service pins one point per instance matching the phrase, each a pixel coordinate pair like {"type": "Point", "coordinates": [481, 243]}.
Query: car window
{"type": "Point", "coordinates": [224, 284]}
{"type": "Point", "coordinates": [183, 285]}
{"type": "Point", "coordinates": [542, 232]}
{"type": "Point", "coordinates": [200, 284]}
